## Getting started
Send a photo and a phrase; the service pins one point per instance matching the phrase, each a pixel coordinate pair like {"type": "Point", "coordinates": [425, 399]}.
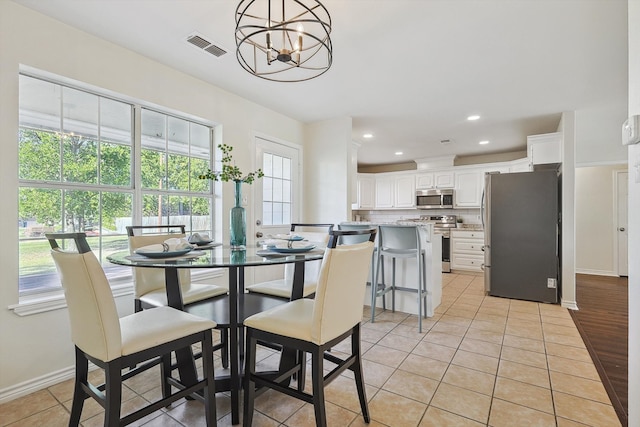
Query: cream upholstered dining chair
{"type": "Point", "coordinates": [113, 344]}
{"type": "Point", "coordinates": [149, 283]}
{"type": "Point", "coordinates": [316, 325]}
{"type": "Point", "coordinates": [281, 288]}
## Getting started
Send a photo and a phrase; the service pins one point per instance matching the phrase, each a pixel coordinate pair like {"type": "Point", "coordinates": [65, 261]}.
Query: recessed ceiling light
{"type": "Point", "coordinates": [483, 142]}
{"type": "Point", "coordinates": [367, 135]}
{"type": "Point", "coordinates": [399, 153]}
{"type": "Point", "coordinates": [474, 117]}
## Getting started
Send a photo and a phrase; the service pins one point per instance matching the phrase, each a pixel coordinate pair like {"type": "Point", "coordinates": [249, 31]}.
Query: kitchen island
{"type": "Point", "coordinates": [407, 273]}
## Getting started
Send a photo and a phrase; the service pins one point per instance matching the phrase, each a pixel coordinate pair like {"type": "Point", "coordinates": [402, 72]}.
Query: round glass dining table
{"type": "Point", "coordinates": [233, 308]}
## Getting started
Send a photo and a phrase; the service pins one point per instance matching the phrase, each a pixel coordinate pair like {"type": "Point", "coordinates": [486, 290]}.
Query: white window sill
{"type": "Point", "coordinates": [55, 300]}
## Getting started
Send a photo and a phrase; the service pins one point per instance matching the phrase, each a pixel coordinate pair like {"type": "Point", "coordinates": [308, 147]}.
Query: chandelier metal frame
{"type": "Point", "coordinates": [287, 41]}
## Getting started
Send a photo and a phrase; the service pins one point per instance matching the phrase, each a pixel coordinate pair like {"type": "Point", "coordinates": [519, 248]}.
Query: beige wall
{"type": "Point", "coordinates": [326, 181]}
{"type": "Point", "coordinates": [36, 349]}
{"type": "Point", "coordinates": [595, 219]}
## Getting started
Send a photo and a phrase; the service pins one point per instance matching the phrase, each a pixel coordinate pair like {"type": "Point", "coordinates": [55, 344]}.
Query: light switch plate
{"type": "Point", "coordinates": [631, 130]}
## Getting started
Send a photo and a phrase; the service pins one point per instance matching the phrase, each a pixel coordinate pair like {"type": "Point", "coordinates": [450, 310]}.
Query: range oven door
{"type": "Point", "coordinates": [446, 251]}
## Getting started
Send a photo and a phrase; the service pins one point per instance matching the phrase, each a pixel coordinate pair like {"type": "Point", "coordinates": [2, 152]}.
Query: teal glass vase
{"type": "Point", "coordinates": [238, 221]}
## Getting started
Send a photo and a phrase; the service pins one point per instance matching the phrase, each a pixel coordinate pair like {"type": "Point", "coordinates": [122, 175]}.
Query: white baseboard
{"type": "Point", "coordinates": [35, 384]}
{"type": "Point", "coordinates": [596, 272]}
{"type": "Point", "coordinates": [571, 305]}
{"type": "Point", "coordinates": [40, 383]}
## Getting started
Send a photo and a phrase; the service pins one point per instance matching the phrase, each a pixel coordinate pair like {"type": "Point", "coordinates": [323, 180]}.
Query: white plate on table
{"type": "Point", "coordinates": [167, 254]}
{"type": "Point", "coordinates": [208, 245]}
{"type": "Point", "coordinates": [290, 237]}
{"type": "Point", "coordinates": [292, 250]}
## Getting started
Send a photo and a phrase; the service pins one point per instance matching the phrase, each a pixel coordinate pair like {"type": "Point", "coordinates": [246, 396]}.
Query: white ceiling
{"type": "Point", "coordinates": [407, 71]}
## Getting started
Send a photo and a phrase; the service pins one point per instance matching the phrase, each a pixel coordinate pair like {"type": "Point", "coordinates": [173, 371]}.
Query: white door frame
{"type": "Point", "coordinates": [619, 177]}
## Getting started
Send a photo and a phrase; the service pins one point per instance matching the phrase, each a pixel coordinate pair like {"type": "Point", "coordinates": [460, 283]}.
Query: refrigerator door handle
{"type": "Point", "coordinates": [482, 208]}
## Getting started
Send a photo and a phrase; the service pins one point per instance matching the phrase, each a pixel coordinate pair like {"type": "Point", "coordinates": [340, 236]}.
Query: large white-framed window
{"type": "Point", "coordinates": [86, 166]}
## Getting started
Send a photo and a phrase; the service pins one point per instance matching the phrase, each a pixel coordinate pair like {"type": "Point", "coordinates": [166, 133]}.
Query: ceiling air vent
{"type": "Point", "coordinates": [202, 43]}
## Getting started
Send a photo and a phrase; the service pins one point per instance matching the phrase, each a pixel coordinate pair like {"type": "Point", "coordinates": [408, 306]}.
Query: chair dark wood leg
{"type": "Point", "coordinates": [224, 339]}
{"type": "Point", "coordinates": [209, 390]}
{"type": "Point", "coordinates": [249, 384]}
{"type": "Point", "coordinates": [165, 373]}
{"type": "Point", "coordinates": [301, 375]}
{"type": "Point", "coordinates": [317, 373]}
{"type": "Point", "coordinates": [357, 373]}
{"type": "Point", "coordinates": [113, 392]}
{"type": "Point", "coordinates": [79, 396]}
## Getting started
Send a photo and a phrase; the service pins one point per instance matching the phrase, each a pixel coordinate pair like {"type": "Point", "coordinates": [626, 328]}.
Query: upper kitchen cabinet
{"type": "Point", "coordinates": [545, 148]}
{"type": "Point", "coordinates": [395, 191]}
{"type": "Point", "coordinates": [438, 179]}
{"type": "Point", "coordinates": [521, 165]}
{"type": "Point", "coordinates": [366, 191]}
{"type": "Point", "coordinates": [468, 188]}
{"type": "Point", "coordinates": [405, 191]}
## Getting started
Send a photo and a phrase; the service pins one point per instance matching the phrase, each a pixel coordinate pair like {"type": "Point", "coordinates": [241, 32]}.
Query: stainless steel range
{"type": "Point", "coordinates": [442, 224]}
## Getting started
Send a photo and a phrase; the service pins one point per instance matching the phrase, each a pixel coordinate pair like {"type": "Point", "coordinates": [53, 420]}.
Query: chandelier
{"type": "Point", "coordinates": [283, 41]}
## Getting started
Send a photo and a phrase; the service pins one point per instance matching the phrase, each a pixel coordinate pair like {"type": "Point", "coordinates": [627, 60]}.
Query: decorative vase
{"type": "Point", "coordinates": [238, 221]}
{"type": "Point", "coordinates": [238, 256]}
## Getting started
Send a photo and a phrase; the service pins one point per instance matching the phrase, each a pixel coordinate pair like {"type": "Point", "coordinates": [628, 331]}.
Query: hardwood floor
{"type": "Point", "coordinates": [603, 322]}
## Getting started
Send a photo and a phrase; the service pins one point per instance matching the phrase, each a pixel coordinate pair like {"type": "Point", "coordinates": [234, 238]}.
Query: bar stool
{"type": "Point", "coordinates": [404, 242]}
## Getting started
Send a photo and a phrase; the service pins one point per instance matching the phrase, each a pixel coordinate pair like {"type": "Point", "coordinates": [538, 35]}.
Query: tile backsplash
{"type": "Point", "coordinates": [470, 216]}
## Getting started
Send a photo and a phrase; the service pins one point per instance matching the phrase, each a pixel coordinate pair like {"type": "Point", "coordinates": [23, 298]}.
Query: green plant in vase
{"type": "Point", "coordinates": [237, 216]}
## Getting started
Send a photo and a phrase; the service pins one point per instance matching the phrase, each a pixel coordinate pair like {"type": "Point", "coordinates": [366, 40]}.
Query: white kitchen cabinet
{"type": "Point", "coordinates": [545, 148]}
{"type": "Point", "coordinates": [443, 179]}
{"type": "Point", "coordinates": [468, 188]}
{"type": "Point", "coordinates": [405, 191]}
{"type": "Point", "coordinates": [385, 189]}
{"type": "Point", "coordinates": [395, 191]}
{"type": "Point", "coordinates": [424, 181]}
{"type": "Point", "coordinates": [366, 191]}
{"type": "Point", "coordinates": [438, 179]}
{"type": "Point", "coordinates": [521, 165]}
{"type": "Point", "coordinates": [466, 250]}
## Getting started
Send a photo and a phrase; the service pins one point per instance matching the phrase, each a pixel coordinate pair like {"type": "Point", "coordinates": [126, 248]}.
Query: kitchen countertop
{"type": "Point", "coordinates": [475, 227]}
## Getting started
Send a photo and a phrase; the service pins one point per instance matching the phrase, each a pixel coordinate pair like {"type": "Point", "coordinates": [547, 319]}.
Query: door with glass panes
{"type": "Point", "coordinates": [276, 194]}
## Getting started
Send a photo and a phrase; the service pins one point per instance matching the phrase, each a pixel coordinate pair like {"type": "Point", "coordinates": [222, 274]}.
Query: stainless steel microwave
{"type": "Point", "coordinates": [434, 199]}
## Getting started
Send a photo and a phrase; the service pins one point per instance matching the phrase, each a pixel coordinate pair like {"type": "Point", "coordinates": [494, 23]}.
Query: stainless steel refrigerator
{"type": "Point", "coordinates": [522, 235]}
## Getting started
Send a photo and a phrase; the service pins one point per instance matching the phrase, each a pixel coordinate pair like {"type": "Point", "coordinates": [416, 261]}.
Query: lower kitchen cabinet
{"type": "Point", "coordinates": [466, 250]}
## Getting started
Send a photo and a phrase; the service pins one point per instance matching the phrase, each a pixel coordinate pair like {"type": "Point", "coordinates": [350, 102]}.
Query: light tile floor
{"type": "Point", "coordinates": [480, 361]}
